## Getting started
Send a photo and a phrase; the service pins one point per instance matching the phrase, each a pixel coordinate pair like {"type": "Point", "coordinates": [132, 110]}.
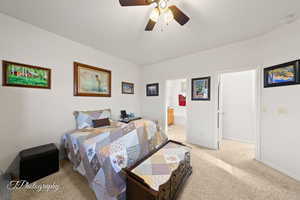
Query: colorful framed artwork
{"type": "Point", "coordinates": [91, 81]}
{"type": "Point", "coordinates": [127, 88]}
{"type": "Point", "coordinates": [152, 89]}
{"type": "Point", "coordinates": [22, 75]}
{"type": "Point", "coordinates": [282, 75]}
{"type": "Point", "coordinates": [201, 89]}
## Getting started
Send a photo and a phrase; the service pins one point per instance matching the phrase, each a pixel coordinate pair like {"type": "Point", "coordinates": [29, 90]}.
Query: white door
{"type": "Point", "coordinates": [237, 106]}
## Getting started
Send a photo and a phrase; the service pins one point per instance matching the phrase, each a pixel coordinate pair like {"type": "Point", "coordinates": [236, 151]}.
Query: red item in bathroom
{"type": "Point", "coordinates": [182, 100]}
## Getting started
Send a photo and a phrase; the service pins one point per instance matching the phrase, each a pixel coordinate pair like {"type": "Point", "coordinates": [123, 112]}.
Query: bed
{"type": "Point", "coordinates": [100, 154]}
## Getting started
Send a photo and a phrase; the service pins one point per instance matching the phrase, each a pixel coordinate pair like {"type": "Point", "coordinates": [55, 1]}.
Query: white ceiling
{"type": "Point", "coordinates": [105, 25]}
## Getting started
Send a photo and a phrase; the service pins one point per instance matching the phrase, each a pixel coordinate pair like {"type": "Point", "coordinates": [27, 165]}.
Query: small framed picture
{"type": "Point", "coordinates": [127, 88]}
{"type": "Point", "coordinates": [201, 89]}
{"type": "Point", "coordinates": [22, 75]}
{"type": "Point", "coordinates": [282, 75]}
{"type": "Point", "coordinates": [152, 89]}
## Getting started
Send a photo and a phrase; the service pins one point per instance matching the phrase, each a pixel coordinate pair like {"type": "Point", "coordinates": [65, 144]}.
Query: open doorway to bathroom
{"type": "Point", "coordinates": [176, 115]}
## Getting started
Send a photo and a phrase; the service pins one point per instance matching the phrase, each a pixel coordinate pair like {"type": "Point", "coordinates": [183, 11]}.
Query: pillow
{"type": "Point", "coordinates": [84, 119]}
{"type": "Point", "coordinates": [101, 122]}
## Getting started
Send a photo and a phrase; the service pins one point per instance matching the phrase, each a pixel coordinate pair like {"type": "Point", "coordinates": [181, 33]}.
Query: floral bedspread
{"type": "Point", "coordinates": [99, 154]}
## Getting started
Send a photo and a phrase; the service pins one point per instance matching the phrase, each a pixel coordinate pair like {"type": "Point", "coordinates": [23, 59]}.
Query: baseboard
{"type": "Point", "coordinates": [281, 170]}
{"type": "Point", "coordinates": [4, 192]}
{"type": "Point", "coordinates": [238, 140]}
{"type": "Point", "coordinates": [201, 145]}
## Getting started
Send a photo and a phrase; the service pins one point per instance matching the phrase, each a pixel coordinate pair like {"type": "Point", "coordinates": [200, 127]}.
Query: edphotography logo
{"type": "Point", "coordinates": [22, 184]}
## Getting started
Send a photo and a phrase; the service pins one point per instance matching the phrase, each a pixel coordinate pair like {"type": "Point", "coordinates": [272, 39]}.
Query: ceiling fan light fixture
{"type": "Point", "coordinates": [154, 15]}
{"type": "Point", "coordinates": [169, 16]}
{"type": "Point", "coordinates": [155, 4]}
{"type": "Point", "coordinates": [161, 9]}
{"type": "Point", "coordinates": [163, 4]}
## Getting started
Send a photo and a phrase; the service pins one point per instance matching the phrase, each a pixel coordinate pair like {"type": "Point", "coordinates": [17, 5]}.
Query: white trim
{"type": "Point", "coordinates": [215, 115]}
{"type": "Point", "coordinates": [201, 145]}
{"type": "Point", "coordinates": [238, 140]}
{"type": "Point", "coordinates": [258, 101]}
{"type": "Point", "coordinates": [218, 133]}
{"type": "Point", "coordinates": [280, 170]}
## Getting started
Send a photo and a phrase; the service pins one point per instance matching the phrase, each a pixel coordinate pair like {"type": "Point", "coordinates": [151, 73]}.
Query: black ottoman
{"type": "Point", "coordinates": [38, 162]}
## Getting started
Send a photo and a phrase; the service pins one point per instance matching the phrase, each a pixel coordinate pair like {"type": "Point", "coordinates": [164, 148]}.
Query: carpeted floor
{"type": "Point", "coordinates": [229, 174]}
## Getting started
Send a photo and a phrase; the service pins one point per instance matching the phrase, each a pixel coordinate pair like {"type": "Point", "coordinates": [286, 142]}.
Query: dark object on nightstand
{"type": "Point", "coordinates": [38, 162]}
{"type": "Point", "coordinates": [123, 114]}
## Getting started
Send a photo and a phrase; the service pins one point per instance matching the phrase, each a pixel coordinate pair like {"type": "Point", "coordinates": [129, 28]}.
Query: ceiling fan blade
{"type": "Point", "coordinates": [150, 25]}
{"type": "Point", "coordinates": [179, 16]}
{"type": "Point", "coordinates": [134, 2]}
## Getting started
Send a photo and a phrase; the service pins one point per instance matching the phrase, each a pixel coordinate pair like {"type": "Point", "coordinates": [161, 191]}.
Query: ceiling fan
{"type": "Point", "coordinates": [161, 8]}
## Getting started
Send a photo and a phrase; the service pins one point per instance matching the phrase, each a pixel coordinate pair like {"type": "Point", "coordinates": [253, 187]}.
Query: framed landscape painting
{"type": "Point", "coordinates": [91, 81]}
{"type": "Point", "coordinates": [127, 88]}
{"type": "Point", "coordinates": [152, 89]}
{"type": "Point", "coordinates": [201, 89]}
{"type": "Point", "coordinates": [282, 75]}
{"type": "Point", "coordinates": [22, 75]}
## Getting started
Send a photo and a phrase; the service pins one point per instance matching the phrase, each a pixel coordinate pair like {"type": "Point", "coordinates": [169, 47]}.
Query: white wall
{"type": "Point", "coordinates": [175, 88]}
{"type": "Point", "coordinates": [200, 114]}
{"type": "Point", "coordinates": [31, 117]}
{"type": "Point", "coordinates": [280, 138]}
{"type": "Point", "coordinates": [238, 106]}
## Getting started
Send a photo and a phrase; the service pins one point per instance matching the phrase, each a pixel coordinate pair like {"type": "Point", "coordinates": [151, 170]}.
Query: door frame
{"type": "Point", "coordinates": [257, 121]}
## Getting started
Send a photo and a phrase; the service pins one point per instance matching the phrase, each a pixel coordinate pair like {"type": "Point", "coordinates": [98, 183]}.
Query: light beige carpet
{"type": "Point", "coordinates": [229, 174]}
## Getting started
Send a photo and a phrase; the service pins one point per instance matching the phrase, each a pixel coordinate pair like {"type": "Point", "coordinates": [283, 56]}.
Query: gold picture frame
{"type": "Point", "coordinates": [91, 81]}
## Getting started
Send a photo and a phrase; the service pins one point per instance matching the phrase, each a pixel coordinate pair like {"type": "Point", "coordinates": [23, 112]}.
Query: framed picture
{"type": "Point", "coordinates": [201, 89]}
{"type": "Point", "coordinates": [152, 89]}
{"type": "Point", "coordinates": [91, 81]}
{"type": "Point", "coordinates": [22, 75]}
{"type": "Point", "coordinates": [282, 75]}
{"type": "Point", "coordinates": [127, 88]}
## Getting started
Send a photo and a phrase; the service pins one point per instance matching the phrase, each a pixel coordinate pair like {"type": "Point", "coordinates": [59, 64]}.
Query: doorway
{"type": "Point", "coordinates": [237, 110]}
{"type": "Point", "coordinates": [176, 115]}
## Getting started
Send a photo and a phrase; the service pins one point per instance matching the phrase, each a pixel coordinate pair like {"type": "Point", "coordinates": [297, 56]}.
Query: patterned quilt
{"type": "Point", "coordinates": [99, 154]}
{"type": "Point", "coordinates": [157, 169]}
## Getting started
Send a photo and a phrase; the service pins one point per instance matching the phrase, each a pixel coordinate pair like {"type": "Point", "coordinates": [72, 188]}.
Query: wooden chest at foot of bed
{"type": "Point", "coordinates": [161, 175]}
